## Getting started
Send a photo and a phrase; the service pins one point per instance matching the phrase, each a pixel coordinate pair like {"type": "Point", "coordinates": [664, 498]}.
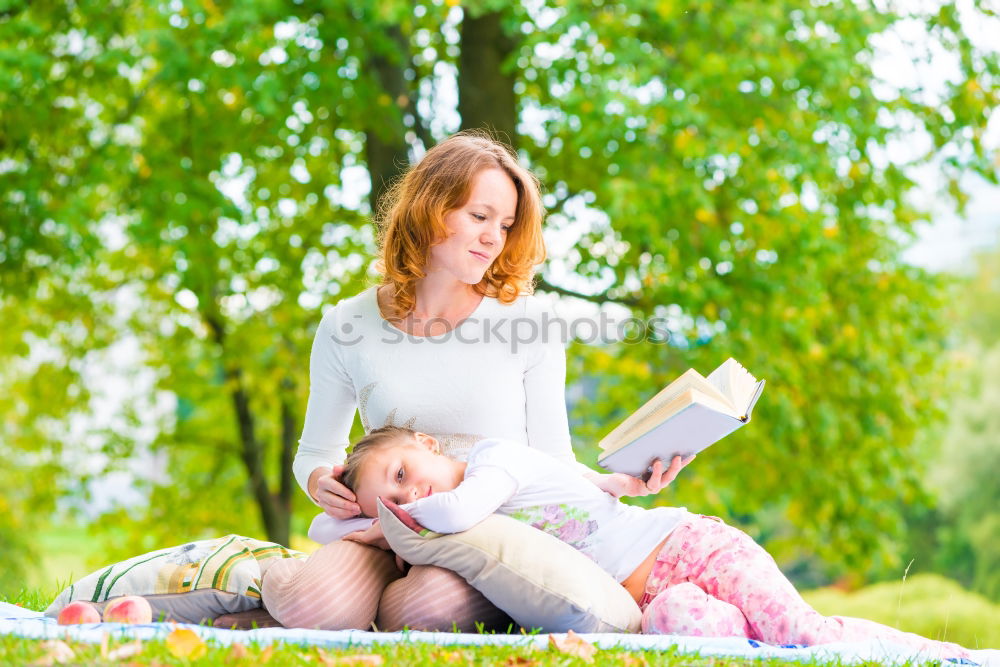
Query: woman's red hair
{"type": "Point", "coordinates": [411, 218]}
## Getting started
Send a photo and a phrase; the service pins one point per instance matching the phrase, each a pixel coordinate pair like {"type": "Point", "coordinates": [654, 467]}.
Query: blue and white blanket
{"type": "Point", "coordinates": [21, 622]}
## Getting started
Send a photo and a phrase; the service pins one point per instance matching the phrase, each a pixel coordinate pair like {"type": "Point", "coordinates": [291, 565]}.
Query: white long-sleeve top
{"type": "Point", "coordinates": [494, 374]}
{"type": "Point", "coordinates": [530, 486]}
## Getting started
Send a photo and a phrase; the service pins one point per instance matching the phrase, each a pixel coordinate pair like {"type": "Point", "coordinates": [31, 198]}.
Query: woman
{"type": "Point", "coordinates": [451, 343]}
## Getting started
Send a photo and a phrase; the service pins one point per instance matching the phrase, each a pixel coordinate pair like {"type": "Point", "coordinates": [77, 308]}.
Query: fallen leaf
{"type": "Point", "coordinates": [125, 650]}
{"type": "Point", "coordinates": [56, 653]}
{"type": "Point", "coordinates": [266, 654]}
{"type": "Point", "coordinates": [572, 644]}
{"type": "Point", "coordinates": [520, 661]}
{"type": "Point", "coordinates": [449, 656]}
{"type": "Point", "coordinates": [185, 643]}
{"type": "Point", "coordinates": [237, 652]}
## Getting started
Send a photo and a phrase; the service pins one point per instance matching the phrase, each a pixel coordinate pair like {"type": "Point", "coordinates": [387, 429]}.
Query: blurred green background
{"type": "Point", "coordinates": [185, 186]}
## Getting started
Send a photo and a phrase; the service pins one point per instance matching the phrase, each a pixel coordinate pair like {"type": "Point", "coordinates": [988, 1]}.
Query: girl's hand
{"type": "Point", "coordinates": [372, 537]}
{"type": "Point", "coordinates": [619, 484]}
{"type": "Point", "coordinates": [333, 497]}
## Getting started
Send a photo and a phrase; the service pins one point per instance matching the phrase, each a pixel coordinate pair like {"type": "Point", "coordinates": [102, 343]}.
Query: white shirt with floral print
{"type": "Point", "coordinates": [506, 477]}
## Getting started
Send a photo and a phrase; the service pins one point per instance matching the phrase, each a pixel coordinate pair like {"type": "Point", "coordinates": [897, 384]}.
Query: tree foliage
{"type": "Point", "coordinates": [185, 174]}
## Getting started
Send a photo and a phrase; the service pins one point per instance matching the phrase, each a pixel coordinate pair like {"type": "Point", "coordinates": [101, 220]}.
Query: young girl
{"type": "Point", "coordinates": [691, 574]}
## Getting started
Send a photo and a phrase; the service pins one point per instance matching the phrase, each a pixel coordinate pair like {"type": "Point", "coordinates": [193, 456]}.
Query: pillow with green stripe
{"type": "Point", "coordinates": [192, 583]}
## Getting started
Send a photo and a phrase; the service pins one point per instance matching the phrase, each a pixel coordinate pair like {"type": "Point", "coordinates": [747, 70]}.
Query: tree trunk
{"type": "Point", "coordinates": [275, 515]}
{"type": "Point", "coordinates": [386, 149]}
{"type": "Point", "coordinates": [486, 98]}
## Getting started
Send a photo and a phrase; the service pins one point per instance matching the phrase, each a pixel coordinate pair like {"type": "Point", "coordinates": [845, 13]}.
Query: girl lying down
{"type": "Point", "coordinates": [690, 574]}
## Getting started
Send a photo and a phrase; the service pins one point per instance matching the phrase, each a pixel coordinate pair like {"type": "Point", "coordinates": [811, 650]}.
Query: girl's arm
{"type": "Point", "coordinates": [483, 490]}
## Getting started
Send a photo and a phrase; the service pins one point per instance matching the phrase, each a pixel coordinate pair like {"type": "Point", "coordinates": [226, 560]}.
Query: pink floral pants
{"type": "Point", "coordinates": [713, 580]}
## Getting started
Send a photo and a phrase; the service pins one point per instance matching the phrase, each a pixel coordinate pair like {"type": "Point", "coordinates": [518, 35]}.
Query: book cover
{"type": "Point", "coordinates": [683, 424]}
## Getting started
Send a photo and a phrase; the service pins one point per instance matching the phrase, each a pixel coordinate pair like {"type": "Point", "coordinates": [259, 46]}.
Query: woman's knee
{"type": "Point", "coordinates": [337, 588]}
{"type": "Point", "coordinates": [432, 598]}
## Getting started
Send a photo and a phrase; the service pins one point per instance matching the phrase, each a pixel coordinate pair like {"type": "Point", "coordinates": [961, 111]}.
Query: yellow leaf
{"type": "Point", "coordinates": [831, 232]}
{"type": "Point", "coordinates": [704, 216]}
{"type": "Point", "coordinates": [266, 654]}
{"type": "Point", "coordinates": [574, 645]}
{"type": "Point", "coordinates": [185, 643]}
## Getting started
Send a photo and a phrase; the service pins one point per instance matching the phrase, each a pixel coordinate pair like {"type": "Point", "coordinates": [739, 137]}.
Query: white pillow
{"type": "Point", "coordinates": [536, 579]}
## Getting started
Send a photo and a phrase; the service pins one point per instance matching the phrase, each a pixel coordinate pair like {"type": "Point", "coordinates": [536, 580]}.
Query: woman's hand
{"type": "Point", "coordinates": [373, 537]}
{"type": "Point", "coordinates": [333, 497]}
{"type": "Point", "coordinates": [619, 484]}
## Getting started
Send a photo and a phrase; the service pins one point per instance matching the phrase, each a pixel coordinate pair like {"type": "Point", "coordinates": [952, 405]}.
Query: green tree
{"type": "Point", "coordinates": [726, 161]}
{"type": "Point", "coordinates": [965, 523]}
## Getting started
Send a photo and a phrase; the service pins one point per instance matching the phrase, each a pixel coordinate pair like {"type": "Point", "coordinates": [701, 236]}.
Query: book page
{"type": "Point", "coordinates": [691, 430]}
{"type": "Point", "coordinates": [712, 402]}
{"type": "Point", "coordinates": [690, 378]}
{"type": "Point", "coordinates": [735, 382]}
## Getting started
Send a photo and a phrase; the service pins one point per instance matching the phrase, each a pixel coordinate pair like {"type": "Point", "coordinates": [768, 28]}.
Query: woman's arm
{"type": "Point", "coordinates": [545, 386]}
{"type": "Point", "coordinates": [329, 415]}
{"type": "Point", "coordinates": [483, 490]}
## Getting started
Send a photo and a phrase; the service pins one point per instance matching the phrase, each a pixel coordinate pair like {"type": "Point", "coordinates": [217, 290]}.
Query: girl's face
{"type": "Point", "coordinates": [405, 472]}
{"type": "Point", "coordinates": [477, 230]}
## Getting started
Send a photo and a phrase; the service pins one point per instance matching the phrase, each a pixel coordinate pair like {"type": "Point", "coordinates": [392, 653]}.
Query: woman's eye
{"type": "Point", "coordinates": [506, 228]}
{"type": "Point", "coordinates": [479, 217]}
{"type": "Point", "coordinates": [399, 476]}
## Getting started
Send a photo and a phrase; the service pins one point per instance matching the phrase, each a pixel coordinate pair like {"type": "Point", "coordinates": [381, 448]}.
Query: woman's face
{"type": "Point", "coordinates": [477, 230]}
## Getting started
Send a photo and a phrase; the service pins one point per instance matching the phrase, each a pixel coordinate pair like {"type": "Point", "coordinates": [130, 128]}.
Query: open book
{"type": "Point", "coordinates": [688, 415]}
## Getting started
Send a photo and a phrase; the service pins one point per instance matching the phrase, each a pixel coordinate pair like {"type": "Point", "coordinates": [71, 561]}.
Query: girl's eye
{"type": "Point", "coordinates": [399, 476]}
{"type": "Point", "coordinates": [506, 228]}
{"type": "Point", "coordinates": [479, 217]}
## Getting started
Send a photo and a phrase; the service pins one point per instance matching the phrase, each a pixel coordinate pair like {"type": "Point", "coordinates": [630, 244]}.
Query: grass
{"type": "Point", "coordinates": [927, 604]}
{"type": "Point", "coordinates": [919, 607]}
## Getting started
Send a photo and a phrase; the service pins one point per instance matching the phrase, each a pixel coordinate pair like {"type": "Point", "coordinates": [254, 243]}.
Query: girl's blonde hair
{"type": "Point", "coordinates": [411, 219]}
{"type": "Point", "coordinates": [375, 440]}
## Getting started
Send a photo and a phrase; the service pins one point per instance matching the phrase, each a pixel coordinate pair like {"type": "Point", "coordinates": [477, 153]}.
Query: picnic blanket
{"type": "Point", "coordinates": [29, 624]}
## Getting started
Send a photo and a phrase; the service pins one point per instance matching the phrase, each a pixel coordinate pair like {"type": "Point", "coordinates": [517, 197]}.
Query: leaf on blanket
{"type": "Point", "coordinates": [185, 643]}
{"type": "Point", "coordinates": [56, 653]}
{"type": "Point", "coordinates": [265, 655]}
{"type": "Point", "coordinates": [520, 661]}
{"type": "Point", "coordinates": [573, 644]}
{"type": "Point", "coordinates": [125, 650]}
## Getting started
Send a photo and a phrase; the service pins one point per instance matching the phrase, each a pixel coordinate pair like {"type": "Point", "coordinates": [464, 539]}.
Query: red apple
{"type": "Point", "coordinates": [128, 609]}
{"type": "Point", "coordinates": [79, 612]}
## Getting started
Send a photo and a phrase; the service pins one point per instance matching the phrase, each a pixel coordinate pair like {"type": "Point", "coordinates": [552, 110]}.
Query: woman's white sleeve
{"type": "Point", "coordinates": [325, 528]}
{"type": "Point", "coordinates": [483, 490]}
{"type": "Point", "coordinates": [545, 389]}
{"type": "Point", "coordinates": [331, 407]}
